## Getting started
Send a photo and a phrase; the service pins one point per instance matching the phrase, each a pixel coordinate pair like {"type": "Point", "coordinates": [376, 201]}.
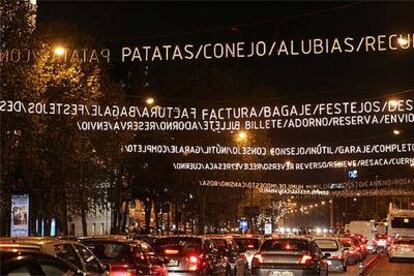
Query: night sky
{"type": "Point", "coordinates": [291, 79]}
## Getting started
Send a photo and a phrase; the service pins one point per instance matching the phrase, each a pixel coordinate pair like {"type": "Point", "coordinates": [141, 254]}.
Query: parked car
{"type": "Point", "coordinates": [251, 244]}
{"type": "Point", "coordinates": [338, 260]}
{"type": "Point", "coordinates": [291, 256]}
{"type": "Point", "coordinates": [125, 256]}
{"type": "Point", "coordinates": [27, 262]}
{"type": "Point", "coordinates": [402, 248]}
{"type": "Point", "coordinates": [191, 255]}
{"type": "Point", "coordinates": [71, 251]}
{"type": "Point", "coordinates": [236, 261]}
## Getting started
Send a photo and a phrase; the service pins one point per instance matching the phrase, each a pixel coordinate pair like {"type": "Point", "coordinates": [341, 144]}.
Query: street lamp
{"type": "Point", "coordinates": [393, 104]}
{"type": "Point", "coordinates": [59, 51]}
{"type": "Point", "coordinates": [402, 41]}
{"type": "Point", "coordinates": [150, 101]}
{"type": "Point", "coordinates": [241, 136]}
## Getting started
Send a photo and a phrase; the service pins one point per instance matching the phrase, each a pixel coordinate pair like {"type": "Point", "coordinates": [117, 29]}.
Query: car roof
{"type": "Point", "coordinates": [38, 241]}
{"type": "Point", "coordinates": [6, 255]}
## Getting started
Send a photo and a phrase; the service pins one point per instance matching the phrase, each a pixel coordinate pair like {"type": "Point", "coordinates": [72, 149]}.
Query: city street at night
{"type": "Point", "coordinates": [234, 138]}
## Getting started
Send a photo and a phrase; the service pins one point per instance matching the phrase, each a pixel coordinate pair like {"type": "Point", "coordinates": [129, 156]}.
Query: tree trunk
{"type": "Point", "coordinates": [84, 225]}
{"type": "Point", "coordinates": [156, 210]}
{"type": "Point", "coordinates": [147, 208]}
{"type": "Point", "coordinates": [65, 216]}
{"type": "Point", "coordinates": [124, 217]}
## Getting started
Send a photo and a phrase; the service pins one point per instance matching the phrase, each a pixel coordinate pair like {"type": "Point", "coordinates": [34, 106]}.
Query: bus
{"type": "Point", "coordinates": [400, 222]}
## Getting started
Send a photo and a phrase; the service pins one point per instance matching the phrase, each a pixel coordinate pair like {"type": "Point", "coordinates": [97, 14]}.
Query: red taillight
{"type": "Point", "coordinates": [194, 262]}
{"type": "Point", "coordinates": [126, 272]}
{"type": "Point", "coordinates": [193, 259]}
{"type": "Point", "coordinates": [158, 270]}
{"type": "Point", "coordinates": [257, 259]}
{"type": "Point", "coordinates": [306, 259]}
{"type": "Point", "coordinates": [250, 246]}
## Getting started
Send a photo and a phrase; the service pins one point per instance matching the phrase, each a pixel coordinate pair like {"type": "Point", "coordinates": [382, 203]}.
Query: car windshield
{"type": "Point", "coordinates": [109, 250]}
{"type": "Point", "coordinates": [248, 243]}
{"type": "Point", "coordinates": [327, 245]}
{"type": "Point", "coordinates": [285, 245]}
{"type": "Point", "coordinates": [177, 245]}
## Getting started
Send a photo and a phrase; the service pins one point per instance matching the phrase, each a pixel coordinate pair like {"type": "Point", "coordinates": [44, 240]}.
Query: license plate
{"type": "Point", "coordinates": [329, 262]}
{"type": "Point", "coordinates": [172, 262]}
{"type": "Point", "coordinates": [280, 273]}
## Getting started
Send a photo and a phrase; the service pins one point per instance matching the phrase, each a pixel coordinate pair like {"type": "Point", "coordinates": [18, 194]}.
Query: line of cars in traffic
{"type": "Point", "coordinates": [180, 255]}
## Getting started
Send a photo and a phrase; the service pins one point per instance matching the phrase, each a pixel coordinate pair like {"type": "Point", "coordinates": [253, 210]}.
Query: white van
{"type": "Point", "coordinates": [366, 229]}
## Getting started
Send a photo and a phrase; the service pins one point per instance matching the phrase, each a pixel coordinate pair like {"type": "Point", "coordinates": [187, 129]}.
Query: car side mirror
{"type": "Point", "coordinates": [326, 255]}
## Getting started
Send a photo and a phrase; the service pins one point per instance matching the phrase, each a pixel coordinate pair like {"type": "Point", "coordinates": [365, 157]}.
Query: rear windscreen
{"type": "Point", "coordinates": [346, 243]}
{"type": "Point", "coordinates": [406, 242]}
{"type": "Point", "coordinates": [285, 245]}
{"type": "Point", "coordinates": [108, 250]}
{"type": "Point", "coordinates": [249, 244]}
{"type": "Point", "coordinates": [401, 222]}
{"type": "Point", "coordinates": [220, 243]}
{"type": "Point", "coordinates": [177, 245]}
{"type": "Point", "coordinates": [327, 245]}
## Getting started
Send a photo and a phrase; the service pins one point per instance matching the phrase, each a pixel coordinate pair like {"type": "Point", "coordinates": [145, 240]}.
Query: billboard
{"type": "Point", "coordinates": [19, 226]}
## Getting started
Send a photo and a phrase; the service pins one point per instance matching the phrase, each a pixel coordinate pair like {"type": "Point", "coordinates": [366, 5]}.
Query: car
{"type": "Point", "coordinates": [28, 262]}
{"type": "Point", "coordinates": [381, 242]}
{"type": "Point", "coordinates": [402, 248]}
{"type": "Point", "coordinates": [236, 261]}
{"type": "Point", "coordinates": [191, 255]}
{"type": "Point", "coordinates": [359, 246]}
{"type": "Point", "coordinates": [354, 255]}
{"type": "Point", "coordinates": [288, 257]}
{"type": "Point", "coordinates": [71, 251]}
{"type": "Point", "coordinates": [124, 256]}
{"type": "Point", "coordinates": [251, 244]}
{"type": "Point", "coordinates": [338, 261]}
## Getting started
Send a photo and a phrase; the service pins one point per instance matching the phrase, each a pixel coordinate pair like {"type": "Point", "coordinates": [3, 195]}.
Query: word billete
{"type": "Point", "coordinates": [220, 50]}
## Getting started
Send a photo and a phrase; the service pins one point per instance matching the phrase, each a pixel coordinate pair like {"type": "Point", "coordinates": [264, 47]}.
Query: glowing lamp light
{"type": "Point", "coordinates": [402, 41]}
{"type": "Point", "coordinates": [396, 132]}
{"type": "Point", "coordinates": [412, 165]}
{"type": "Point", "coordinates": [59, 51]}
{"type": "Point", "coordinates": [288, 162]}
{"type": "Point", "coordinates": [150, 101]}
{"type": "Point", "coordinates": [393, 104]}
{"type": "Point", "coordinates": [241, 136]}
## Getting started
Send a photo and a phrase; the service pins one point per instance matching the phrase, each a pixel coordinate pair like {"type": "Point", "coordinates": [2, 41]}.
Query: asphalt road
{"type": "Point", "coordinates": [385, 268]}
{"type": "Point", "coordinates": [352, 270]}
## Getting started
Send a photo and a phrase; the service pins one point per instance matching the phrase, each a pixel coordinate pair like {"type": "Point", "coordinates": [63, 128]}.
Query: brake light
{"type": "Point", "coordinates": [194, 262]}
{"type": "Point", "coordinates": [158, 270]}
{"type": "Point", "coordinates": [250, 246]}
{"type": "Point", "coordinates": [171, 251]}
{"type": "Point", "coordinates": [257, 259]}
{"type": "Point", "coordinates": [306, 259]}
{"type": "Point", "coordinates": [193, 259]}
